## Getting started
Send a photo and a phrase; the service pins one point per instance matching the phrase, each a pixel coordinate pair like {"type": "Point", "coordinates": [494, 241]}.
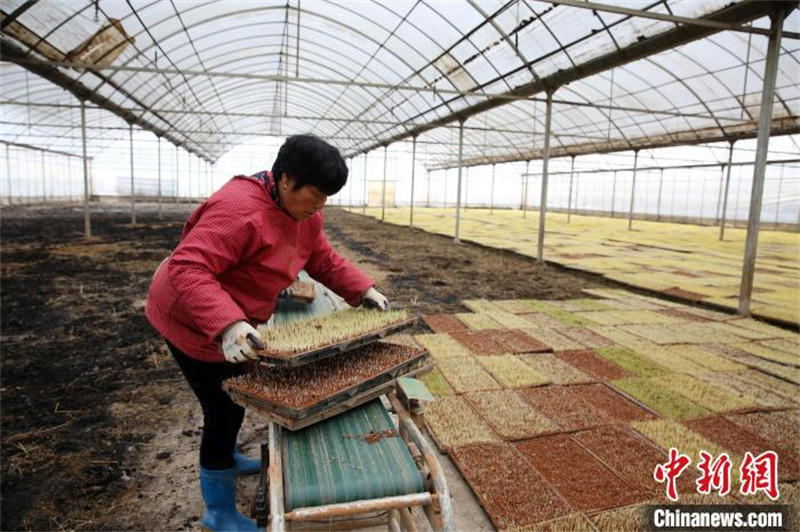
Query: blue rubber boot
{"type": "Point", "coordinates": [219, 495]}
{"type": "Point", "coordinates": [245, 465]}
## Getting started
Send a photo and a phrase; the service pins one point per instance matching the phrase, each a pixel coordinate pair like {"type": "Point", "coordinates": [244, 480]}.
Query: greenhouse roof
{"type": "Point", "coordinates": [208, 75]}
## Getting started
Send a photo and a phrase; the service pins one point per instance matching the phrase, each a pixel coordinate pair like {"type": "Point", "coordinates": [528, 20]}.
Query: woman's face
{"type": "Point", "coordinates": [302, 203]}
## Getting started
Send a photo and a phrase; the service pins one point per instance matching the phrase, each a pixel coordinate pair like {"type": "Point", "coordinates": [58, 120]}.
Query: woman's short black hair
{"type": "Point", "coordinates": [309, 160]}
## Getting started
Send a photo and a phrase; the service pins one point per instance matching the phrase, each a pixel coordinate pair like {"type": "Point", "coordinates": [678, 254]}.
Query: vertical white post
{"type": "Point", "coordinates": [428, 202]}
{"type": "Point", "coordinates": [413, 173]}
{"type": "Point", "coordinates": [633, 188]}
{"type": "Point", "coordinates": [8, 172]}
{"type": "Point", "coordinates": [383, 192]}
{"type": "Point", "coordinates": [44, 180]}
{"type": "Point", "coordinates": [545, 163]}
{"type": "Point", "coordinates": [660, 188]}
{"type": "Point", "coordinates": [613, 193]}
{"type": "Point", "coordinates": [189, 175]}
{"type": "Point", "coordinates": [762, 145]}
{"type": "Point", "coordinates": [491, 194]}
{"type": "Point", "coordinates": [177, 175]}
{"type": "Point", "coordinates": [366, 159]}
{"type": "Point", "coordinates": [725, 196]}
{"type": "Point", "coordinates": [133, 196]}
{"type": "Point", "coordinates": [525, 189]}
{"type": "Point", "coordinates": [159, 178]}
{"type": "Point", "coordinates": [569, 196]}
{"type": "Point", "coordinates": [87, 221]}
{"type": "Point", "coordinates": [458, 190]}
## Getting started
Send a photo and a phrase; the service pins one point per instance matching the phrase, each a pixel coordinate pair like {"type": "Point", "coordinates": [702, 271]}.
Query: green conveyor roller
{"type": "Point", "coordinates": [354, 456]}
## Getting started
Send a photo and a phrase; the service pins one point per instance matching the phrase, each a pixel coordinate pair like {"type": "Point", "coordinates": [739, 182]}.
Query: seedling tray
{"type": "Point", "coordinates": [585, 482]}
{"type": "Point", "coordinates": [285, 359]}
{"type": "Point", "coordinates": [350, 376]}
{"type": "Point", "coordinates": [511, 491]}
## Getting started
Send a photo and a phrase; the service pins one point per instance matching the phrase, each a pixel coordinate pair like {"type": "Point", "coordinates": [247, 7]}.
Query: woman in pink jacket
{"type": "Point", "coordinates": [239, 250]}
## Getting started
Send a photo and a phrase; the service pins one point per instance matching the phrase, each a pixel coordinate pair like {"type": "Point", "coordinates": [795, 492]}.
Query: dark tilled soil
{"type": "Point", "coordinates": [99, 431]}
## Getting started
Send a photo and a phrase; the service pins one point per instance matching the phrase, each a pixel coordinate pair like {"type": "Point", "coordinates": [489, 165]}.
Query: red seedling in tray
{"type": "Point", "coordinates": [734, 438]}
{"type": "Point", "coordinates": [444, 323]}
{"type": "Point", "coordinates": [585, 482]}
{"type": "Point", "coordinates": [564, 408]}
{"type": "Point", "coordinates": [513, 494]}
{"type": "Point", "coordinates": [631, 457]}
{"type": "Point", "coordinates": [291, 390]}
{"type": "Point", "coordinates": [611, 403]}
{"type": "Point", "coordinates": [588, 362]}
{"type": "Point", "coordinates": [482, 343]}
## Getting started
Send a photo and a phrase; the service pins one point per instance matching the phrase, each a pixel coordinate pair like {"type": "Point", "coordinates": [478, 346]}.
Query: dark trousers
{"type": "Point", "coordinates": [222, 418]}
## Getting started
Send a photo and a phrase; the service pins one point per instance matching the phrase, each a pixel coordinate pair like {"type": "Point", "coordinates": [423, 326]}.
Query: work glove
{"type": "Point", "coordinates": [374, 299]}
{"type": "Point", "coordinates": [240, 341]}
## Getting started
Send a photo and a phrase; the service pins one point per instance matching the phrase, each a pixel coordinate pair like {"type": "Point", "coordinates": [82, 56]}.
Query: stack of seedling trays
{"type": "Point", "coordinates": [319, 367]}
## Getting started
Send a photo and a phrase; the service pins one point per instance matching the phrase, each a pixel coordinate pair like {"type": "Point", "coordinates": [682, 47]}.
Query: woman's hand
{"type": "Point", "coordinates": [374, 299]}
{"type": "Point", "coordinates": [240, 341]}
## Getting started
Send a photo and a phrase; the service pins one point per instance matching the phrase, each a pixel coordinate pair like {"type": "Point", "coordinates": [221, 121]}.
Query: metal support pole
{"type": "Point", "coordinates": [428, 202]}
{"type": "Point", "coordinates": [725, 196]}
{"type": "Point", "coordinates": [383, 193]}
{"type": "Point", "coordinates": [460, 162]}
{"type": "Point", "coordinates": [366, 158]}
{"type": "Point", "coordinates": [660, 188]}
{"type": "Point", "coordinates": [491, 194]}
{"type": "Point", "coordinates": [413, 173]}
{"type": "Point", "coordinates": [8, 172]}
{"type": "Point", "coordinates": [633, 188]}
{"type": "Point", "coordinates": [189, 175]}
{"type": "Point", "coordinates": [613, 193]}
{"type": "Point", "coordinates": [577, 191]}
{"type": "Point", "coordinates": [87, 220]}
{"type": "Point", "coordinates": [69, 179]}
{"type": "Point", "coordinates": [778, 202]}
{"type": "Point", "coordinates": [525, 189]}
{"type": "Point", "coordinates": [719, 192]}
{"type": "Point", "coordinates": [545, 164]}
{"type": "Point", "coordinates": [159, 178]}
{"type": "Point", "coordinates": [466, 189]}
{"type": "Point", "coordinates": [133, 196]}
{"type": "Point", "coordinates": [762, 145]}
{"type": "Point", "coordinates": [44, 181]}
{"type": "Point", "coordinates": [569, 196]}
{"type": "Point", "coordinates": [177, 176]}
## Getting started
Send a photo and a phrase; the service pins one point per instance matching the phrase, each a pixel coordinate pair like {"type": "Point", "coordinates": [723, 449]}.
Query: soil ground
{"type": "Point", "coordinates": [99, 430]}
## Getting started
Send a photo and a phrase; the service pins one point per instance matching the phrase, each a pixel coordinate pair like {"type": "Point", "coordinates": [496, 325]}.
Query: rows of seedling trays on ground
{"type": "Point", "coordinates": [557, 412]}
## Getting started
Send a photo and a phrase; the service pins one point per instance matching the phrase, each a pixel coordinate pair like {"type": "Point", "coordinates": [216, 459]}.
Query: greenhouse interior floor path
{"type": "Point", "coordinates": [686, 261]}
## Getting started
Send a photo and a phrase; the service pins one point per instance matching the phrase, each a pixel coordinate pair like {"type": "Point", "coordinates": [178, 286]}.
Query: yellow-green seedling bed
{"type": "Point", "coordinates": [436, 383]}
{"type": "Point", "coordinates": [631, 362]}
{"type": "Point", "coordinates": [512, 372]}
{"type": "Point", "coordinates": [667, 433]}
{"type": "Point", "coordinates": [555, 370]}
{"type": "Point", "coordinates": [442, 345]}
{"type": "Point", "coordinates": [510, 416]}
{"type": "Point", "coordinates": [309, 340]}
{"type": "Point", "coordinates": [704, 394]}
{"type": "Point", "coordinates": [659, 399]}
{"type": "Point", "coordinates": [453, 422]}
{"type": "Point", "coordinates": [743, 385]}
{"type": "Point", "coordinates": [465, 374]}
